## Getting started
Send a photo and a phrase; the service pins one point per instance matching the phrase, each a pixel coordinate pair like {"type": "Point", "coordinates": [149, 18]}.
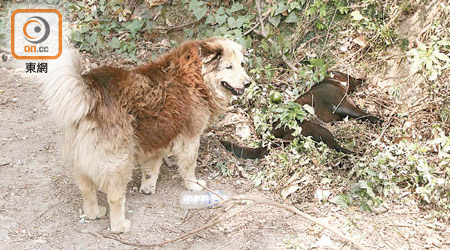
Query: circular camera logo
{"type": "Point", "coordinates": [36, 30]}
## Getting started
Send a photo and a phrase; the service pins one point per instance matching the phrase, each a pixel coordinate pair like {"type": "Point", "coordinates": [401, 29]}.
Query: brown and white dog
{"type": "Point", "coordinates": [113, 119]}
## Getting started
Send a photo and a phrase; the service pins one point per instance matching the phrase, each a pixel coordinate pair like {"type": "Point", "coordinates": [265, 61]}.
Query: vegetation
{"type": "Point", "coordinates": [405, 160]}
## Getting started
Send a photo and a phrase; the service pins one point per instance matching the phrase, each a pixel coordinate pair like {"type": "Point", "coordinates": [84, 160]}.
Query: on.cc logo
{"type": "Point", "coordinates": [40, 29]}
{"type": "Point", "coordinates": [36, 34]}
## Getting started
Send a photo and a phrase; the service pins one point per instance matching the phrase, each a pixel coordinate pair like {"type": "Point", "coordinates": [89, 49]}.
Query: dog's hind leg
{"type": "Point", "coordinates": [90, 202]}
{"type": "Point", "coordinates": [348, 109]}
{"type": "Point", "coordinates": [150, 171]}
{"type": "Point", "coordinates": [186, 152]}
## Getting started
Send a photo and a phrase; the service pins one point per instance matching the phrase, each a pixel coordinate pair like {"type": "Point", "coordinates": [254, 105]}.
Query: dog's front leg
{"type": "Point", "coordinates": [186, 155]}
{"type": "Point", "coordinates": [116, 195]}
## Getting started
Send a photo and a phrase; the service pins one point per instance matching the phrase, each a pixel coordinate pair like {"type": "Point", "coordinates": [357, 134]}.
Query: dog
{"type": "Point", "coordinates": [330, 101]}
{"type": "Point", "coordinates": [113, 119]}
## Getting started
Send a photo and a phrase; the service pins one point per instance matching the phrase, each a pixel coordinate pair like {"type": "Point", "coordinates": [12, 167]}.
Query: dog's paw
{"type": "Point", "coordinates": [194, 186]}
{"type": "Point", "coordinates": [148, 187]}
{"type": "Point", "coordinates": [101, 211]}
{"type": "Point", "coordinates": [95, 213]}
{"type": "Point", "coordinates": [123, 226]}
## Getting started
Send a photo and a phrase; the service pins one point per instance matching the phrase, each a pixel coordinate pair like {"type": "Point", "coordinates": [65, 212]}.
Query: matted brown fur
{"type": "Point", "coordinates": [161, 97]}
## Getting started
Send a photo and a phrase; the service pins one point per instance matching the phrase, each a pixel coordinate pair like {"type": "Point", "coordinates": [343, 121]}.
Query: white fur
{"type": "Point", "coordinates": [64, 91]}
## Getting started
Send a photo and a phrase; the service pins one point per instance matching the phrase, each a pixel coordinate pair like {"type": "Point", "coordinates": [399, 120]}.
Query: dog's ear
{"type": "Point", "coordinates": [210, 51]}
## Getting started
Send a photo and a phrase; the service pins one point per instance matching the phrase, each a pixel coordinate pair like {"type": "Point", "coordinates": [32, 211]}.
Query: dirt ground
{"type": "Point", "coordinates": [40, 206]}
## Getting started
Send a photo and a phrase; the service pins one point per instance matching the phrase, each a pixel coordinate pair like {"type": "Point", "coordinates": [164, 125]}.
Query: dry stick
{"type": "Point", "coordinates": [339, 104]}
{"type": "Point", "coordinates": [254, 27]}
{"type": "Point", "coordinates": [303, 214]}
{"type": "Point", "coordinates": [430, 19]}
{"type": "Point", "coordinates": [180, 27]}
{"type": "Point", "coordinates": [184, 236]}
{"type": "Point", "coordinates": [345, 95]}
{"type": "Point", "coordinates": [400, 233]}
{"type": "Point", "coordinates": [264, 34]}
{"type": "Point", "coordinates": [328, 33]}
{"type": "Point", "coordinates": [261, 21]}
{"type": "Point", "coordinates": [381, 237]}
{"type": "Point", "coordinates": [256, 201]}
{"type": "Point", "coordinates": [205, 187]}
{"type": "Point", "coordinates": [386, 127]}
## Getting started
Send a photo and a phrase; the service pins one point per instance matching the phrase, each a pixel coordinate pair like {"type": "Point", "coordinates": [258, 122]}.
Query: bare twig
{"type": "Point", "coordinates": [328, 33]}
{"type": "Point", "coordinates": [180, 27]}
{"type": "Point", "coordinates": [346, 93]}
{"type": "Point", "coordinates": [91, 233]}
{"type": "Point", "coordinates": [386, 127]}
{"type": "Point", "coordinates": [48, 209]}
{"type": "Point", "coordinates": [261, 20]}
{"type": "Point", "coordinates": [221, 217]}
{"type": "Point", "coordinates": [303, 214]}
{"type": "Point", "coordinates": [210, 190]}
{"type": "Point", "coordinates": [254, 27]}
{"type": "Point", "coordinates": [182, 237]}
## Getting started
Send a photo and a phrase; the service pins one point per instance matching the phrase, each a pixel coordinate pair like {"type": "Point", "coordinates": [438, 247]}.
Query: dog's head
{"type": "Point", "coordinates": [223, 66]}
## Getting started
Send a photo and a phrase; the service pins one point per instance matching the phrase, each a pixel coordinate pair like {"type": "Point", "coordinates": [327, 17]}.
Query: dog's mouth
{"type": "Point", "coordinates": [234, 91]}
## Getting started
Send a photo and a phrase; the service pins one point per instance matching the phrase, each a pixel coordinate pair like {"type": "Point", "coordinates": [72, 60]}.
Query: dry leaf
{"type": "Point", "coordinates": [154, 3]}
{"type": "Point", "coordinates": [243, 131]}
{"type": "Point", "coordinates": [289, 190]}
{"type": "Point", "coordinates": [360, 41]}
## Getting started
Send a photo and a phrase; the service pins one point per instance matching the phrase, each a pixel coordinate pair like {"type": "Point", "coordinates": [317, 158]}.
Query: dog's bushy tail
{"type": "Point", "coordinates": [64, 90]}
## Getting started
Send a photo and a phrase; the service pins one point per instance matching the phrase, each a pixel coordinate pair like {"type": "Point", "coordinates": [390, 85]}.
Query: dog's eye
{"type": "Point", "coordinates": [229, 67]}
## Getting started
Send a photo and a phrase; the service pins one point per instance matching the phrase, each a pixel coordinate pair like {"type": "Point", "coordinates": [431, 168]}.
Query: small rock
{"type": "Point", "coordinates": [4, 57]}
{"type": "Point", "coordinates": [14, 99]}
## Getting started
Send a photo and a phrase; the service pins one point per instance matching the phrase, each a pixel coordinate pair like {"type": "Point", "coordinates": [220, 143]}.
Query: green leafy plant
{"type": "Point", "coordinates": [433, 58]}
{"type": "Point", "coordinates": [290, 115]}
{"type": "Point", "coordinates": [371, 22]}
{"type": "Point", "coordinates": [199, 8]}
{"type": "Point", "coordinates": [107, 26]}
{"type": "Point", "coordinates": [399, 167]}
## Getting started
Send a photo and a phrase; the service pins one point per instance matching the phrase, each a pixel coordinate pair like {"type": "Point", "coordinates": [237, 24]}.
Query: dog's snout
{"type": "Point", "coordinates": [247, 84]}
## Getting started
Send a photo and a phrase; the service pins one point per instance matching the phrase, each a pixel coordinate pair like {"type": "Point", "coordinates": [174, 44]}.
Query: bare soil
{"type": "Point", "coordinates": [40, 206]}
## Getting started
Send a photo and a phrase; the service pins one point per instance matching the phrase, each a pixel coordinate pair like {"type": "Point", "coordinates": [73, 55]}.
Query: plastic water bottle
{"type": "Point", "coordinates": [201, 199]}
